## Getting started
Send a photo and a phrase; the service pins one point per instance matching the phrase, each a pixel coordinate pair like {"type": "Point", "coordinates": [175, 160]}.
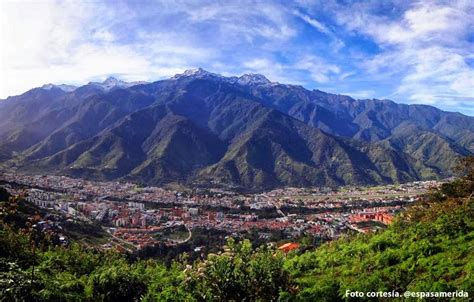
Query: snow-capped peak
{"type": "Point", "coordinates": [253, 79]}
{"type": "Point", "coordinates": [63, 87]}
{"type": "Point", "coordinates": [112, 82]}
{"type": "Point", "coordinates": [197, 73]}
{"type": "Point", "coordinates": [246, 79]}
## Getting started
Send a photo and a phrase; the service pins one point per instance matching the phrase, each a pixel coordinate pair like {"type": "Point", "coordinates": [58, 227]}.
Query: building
{"type": "Point", "coordinates": [288, 247]}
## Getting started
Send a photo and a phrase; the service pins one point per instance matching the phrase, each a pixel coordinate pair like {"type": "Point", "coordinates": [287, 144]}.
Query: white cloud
{"type": "Point", "coordinates": [346, 75]}
{"type": "Point", "coordinates": [336, 43]}
{"type": "Point", "coordinates": [426, 48]}
{"type": "Point", "coordinates": [296, 72]}
{"type": "Point", "coordinates": [251, 20]}
{"type": "Point", "coordinates": [103, 35]}
{"type": "Point", "coordinates": [34, 35]}
{"type": "Point", "coordinates": [314, 23]}
{"type": "Point", "coordinates": [319, 70]}
{"type": "Point", "coordinates": [271, 69]}
{"type": "Point", "coordinates": [422, 55]}
{"type": "Point", "coordinates": [75, 42]}
{"type": "Point", "coordinates": [360, 94]}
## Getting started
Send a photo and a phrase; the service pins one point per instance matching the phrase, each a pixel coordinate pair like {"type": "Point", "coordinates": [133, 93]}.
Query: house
{"type": "Point", "coordinates": [288, 247]}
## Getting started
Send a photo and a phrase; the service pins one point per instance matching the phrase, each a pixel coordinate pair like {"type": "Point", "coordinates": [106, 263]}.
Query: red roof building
{"type": "Point", "coordinates": [288, 247]}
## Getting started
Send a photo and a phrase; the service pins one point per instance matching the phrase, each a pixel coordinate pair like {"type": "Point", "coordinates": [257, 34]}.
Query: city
{"type": "Point", "coordinates": [135, 217]}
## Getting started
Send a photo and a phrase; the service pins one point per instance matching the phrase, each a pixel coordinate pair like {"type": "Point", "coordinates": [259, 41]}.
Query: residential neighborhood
{"type": "Point", "coordinates": [137, 216]}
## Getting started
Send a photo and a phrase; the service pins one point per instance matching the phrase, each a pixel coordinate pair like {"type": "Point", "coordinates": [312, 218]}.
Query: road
{"type": "Point", "coordinates": [121, 240]}
{"type": "Point", "coordinates": [185, 240]}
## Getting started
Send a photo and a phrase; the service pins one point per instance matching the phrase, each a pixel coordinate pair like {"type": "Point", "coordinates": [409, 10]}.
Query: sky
{"type": "Point", "coordinates": [415, 52]}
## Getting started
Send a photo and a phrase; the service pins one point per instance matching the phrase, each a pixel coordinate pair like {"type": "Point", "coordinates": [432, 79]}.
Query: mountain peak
{"type": "Point", "coordinates": [112, 82]}
{"type": "Point", "coordinates": [63, 87]}
{"type": "Point", "coordinates": [253, 79]}
{"type": "Point", "coordinates": [246, 79]}
{"type": "Point", "coordinates": [197, 73]}
{"type": "Point", "coordinates": [239, 126]}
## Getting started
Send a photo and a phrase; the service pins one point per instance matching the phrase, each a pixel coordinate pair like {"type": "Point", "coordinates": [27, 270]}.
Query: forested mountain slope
{"type": "Point", "coordinates": [200, 128]}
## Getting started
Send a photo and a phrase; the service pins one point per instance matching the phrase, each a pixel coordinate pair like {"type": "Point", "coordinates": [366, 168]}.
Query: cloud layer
{"type": "Point", "coordinates": [408, 51]}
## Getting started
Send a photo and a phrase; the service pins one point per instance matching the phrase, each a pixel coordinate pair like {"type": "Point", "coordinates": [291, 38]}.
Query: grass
{"type": "Point", "coordinates": [177, 235]}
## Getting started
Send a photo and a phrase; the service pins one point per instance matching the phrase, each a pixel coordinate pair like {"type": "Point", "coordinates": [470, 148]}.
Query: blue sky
{"type": "Point", "coordinates": [408, 51]}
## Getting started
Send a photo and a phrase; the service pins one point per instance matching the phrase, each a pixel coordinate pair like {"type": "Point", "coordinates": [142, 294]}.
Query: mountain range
{"type": "Point", "coordinates": [201, 128]}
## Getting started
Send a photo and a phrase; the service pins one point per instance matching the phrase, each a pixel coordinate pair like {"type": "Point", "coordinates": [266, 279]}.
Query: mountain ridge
{"type": "Point", "coordinates": [248, 132]}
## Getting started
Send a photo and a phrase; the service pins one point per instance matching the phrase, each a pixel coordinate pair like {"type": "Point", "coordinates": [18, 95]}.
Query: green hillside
{"type": "Point", "coordinates": [250, 134]}
{"type": "Point", "coordinates": [428, 252]}
{"type": "Point", "coordinates": [430, 247]}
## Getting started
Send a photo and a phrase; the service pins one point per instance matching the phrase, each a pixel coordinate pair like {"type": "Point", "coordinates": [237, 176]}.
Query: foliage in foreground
{"type": "Point", "coordinates": [429, 248]}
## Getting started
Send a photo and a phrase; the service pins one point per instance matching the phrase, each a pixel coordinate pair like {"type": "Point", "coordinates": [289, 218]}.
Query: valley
{"type": "Point", "coordinates": [141, 219]}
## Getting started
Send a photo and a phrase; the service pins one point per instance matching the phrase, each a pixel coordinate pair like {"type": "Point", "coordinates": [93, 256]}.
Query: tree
{"type": "Point", "coordinates": [116, 283]}
{"type": "Point", "coordinates": [4, 195]}
{"type": "Point", "coordinates": [240, 274]}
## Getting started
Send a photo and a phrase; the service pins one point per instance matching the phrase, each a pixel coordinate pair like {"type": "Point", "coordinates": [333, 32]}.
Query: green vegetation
{"type": "Point", "coordinates": [430, 251]}
{"type": "Point", "coordinates": [428, 248]}
{"type": "Point", "coordinates": [91, 234]}
{"type": "Point", "coordinates": [250, 137]}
